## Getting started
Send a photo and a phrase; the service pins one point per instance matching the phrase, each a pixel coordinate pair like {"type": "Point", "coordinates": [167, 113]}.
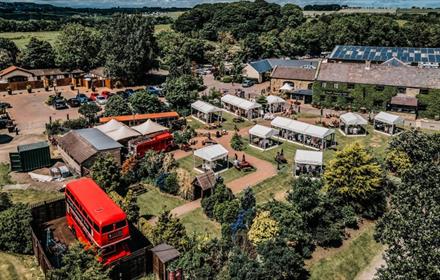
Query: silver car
{"type": "Point", "coordinates": [101, 100]}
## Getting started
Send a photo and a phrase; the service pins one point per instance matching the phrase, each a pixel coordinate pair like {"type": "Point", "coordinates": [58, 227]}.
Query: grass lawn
{"type": "Point", "coordinates": [229, 175]}
{"type": "Point", "coordinates": [154, 202]}
{"type": "Point", "coordinates": [18, 267]}
{"type": "Point", "coordinates": [4, 174]}
{"type": "Point", "coordinates": [162, 27]}
{"type": "Point", "coordinates": [197, 223]}
{"type": "Point", "coordinates": [273, 187]}
{"type": "Point", "coordinates": [194, 124]}
{"type": "Point", "coordinates": [33, 196]}
{"type": "Point", "coordinates": [348, 262]}
{"type": "Point", "coordinates": [229, 124]}
{"type": "Point", "coordinates": [22, 38]}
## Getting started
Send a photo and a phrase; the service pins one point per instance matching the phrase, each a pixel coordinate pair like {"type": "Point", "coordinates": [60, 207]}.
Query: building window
{"type": "Point", "coordinates": [310, 86]}
{"type": "Point", "coordinates": [380, 87]}
{"type": "Point", "coordinates": [424, 91]}
{"type": "Point", "coordinates": [401, 90]}
{"type": "Point", "coordinates": [336, 85]}
{"type": "Point", "coordinates": [350, 86]}
{"type": "Point", "coordinates": [324, 85]}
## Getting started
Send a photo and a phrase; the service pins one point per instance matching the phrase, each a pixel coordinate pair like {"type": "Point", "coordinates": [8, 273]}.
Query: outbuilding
{"type": "Point", "coordinates": [352, 124]}
{"type": "Point", "coordinates": [30, 156]}
{"type": "Point", "coordinates": [262, 137]}
{"type": "Point", "coordinates": [388, 123]}
{"type": "Point", "coordinates": [214, 157]}
{"type": "Point", "coordinates": [315, 137]}
{"type": "Point", "coordinates": [205, 112]}
{"type": "Point", "coordinates": [203, 184]}
{"type": "Point", "coordinates": [308, 163]}
{"type": "Point", "coordinates": [241, 107]}
{"type": "Point", "coordinates": [163, 254]}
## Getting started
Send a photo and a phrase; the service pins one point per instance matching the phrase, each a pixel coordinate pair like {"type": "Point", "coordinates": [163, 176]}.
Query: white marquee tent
{"type": "Point", "coordinates": [352, 124]}
{"type": "Point", "coordinates": [149, 127]}
{"type": "Point", "coordinates": [243, 106]}
{"type": "Point", "coordinates": [210, 155]}
{"type": "Point", "coordinates": [204, 111]}
{"type": "Point", "coordinates": [388, 123]}
{"type": "Point", "coordinates": [308, 162]}
{"type": "Point", "coordinates": [276, 103]}
{"type": "Point", "coordinates": [122, 133]}
{"type": "Point", "coordinates": [110, 126]}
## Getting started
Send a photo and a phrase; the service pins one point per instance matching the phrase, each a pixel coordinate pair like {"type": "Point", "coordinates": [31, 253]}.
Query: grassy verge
{"type": "Point", "coordinates": [348, 262]}
{"type": "Point", "coordinates": [18, 267]}
{"type": "Point", "coordinates": [154, 202]}
{"type": "Point", "coordinates": [33, 196]}
{"type": "Point", "coordinates": [229, 124]}
{"type": "Point", "coordinates": [273, 187]}
{"type": "Point", "coordinates": [162, 27]}
{"type": "Point", "coordinates": [21, 39]}
{"type": "Point", "coordinates": [4, 174]}
{"type": "Point", "coordinates": [197, 223]}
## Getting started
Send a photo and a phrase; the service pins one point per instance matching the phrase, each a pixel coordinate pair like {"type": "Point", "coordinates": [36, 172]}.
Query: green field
{"type": "Point", "coordinates": [348, 262]}
{"type": "Point", "coordinates": [162, 27]}
{"type": "Point", "coordinates": [197, 223]}
{"type": "Point", "coordinates": [154, 202]}
{"type": "Point", "coordinates": [22, 38]}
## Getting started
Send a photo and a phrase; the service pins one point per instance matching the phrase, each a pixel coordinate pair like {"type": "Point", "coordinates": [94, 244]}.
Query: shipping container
{"type": "Point", "coordinates": [30, 157]}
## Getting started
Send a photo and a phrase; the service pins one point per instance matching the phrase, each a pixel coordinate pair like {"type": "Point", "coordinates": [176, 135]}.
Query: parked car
{"type": "Point", "coordinates": [107, 94]}
{"type": "Point", "coordinates": [93, 96]}
{"type": "Point", "coordinates": [154, 90]}
{"type": "Point", "coordinates": [5, 105]}
{"type": "Point", "coordinates": [82, 98]}
{"type": "Point", "coordinates": [73, 102]}
{"type": "Point", "coordinates": [247, 83]}
{"type": "Point", "coordinates": [59, 104]}
{"type": "Point", "coordinates": [101, 100]}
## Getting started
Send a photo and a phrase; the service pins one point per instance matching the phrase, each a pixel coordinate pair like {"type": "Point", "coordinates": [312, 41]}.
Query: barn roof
{"type": "Point", "coordinates": [165, 252]}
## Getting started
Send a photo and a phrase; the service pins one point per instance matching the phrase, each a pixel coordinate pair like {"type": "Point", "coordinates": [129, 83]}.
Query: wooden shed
{"type": "Point", "coordinates": [163, 254]}
{"type": "Point", "coordinates": [204, 184]}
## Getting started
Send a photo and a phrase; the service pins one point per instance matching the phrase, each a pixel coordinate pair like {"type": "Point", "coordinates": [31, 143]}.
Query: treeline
{"type": "Point", "coordinates": [266, 30]}
{"type": "Point", "coordinates": [329, 7]}
{"type": "Point", "coordinates": [34, 25]}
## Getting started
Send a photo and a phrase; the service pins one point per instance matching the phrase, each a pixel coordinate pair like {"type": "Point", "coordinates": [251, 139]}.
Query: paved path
{"type": "Point", "coordinates": [369, 272]}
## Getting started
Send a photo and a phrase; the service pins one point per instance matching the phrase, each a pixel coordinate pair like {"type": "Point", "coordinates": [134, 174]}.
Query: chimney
{"type": "Point", "coordinates": [367, 65]}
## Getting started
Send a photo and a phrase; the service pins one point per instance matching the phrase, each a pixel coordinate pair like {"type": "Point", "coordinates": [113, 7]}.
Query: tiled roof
{"type": "Point", "coordinates": [76, 147]}
{"type": "Point", "coordinates": [405, 76]}
{"type": "Point", "coordinates": [12, 69]}
{"type": "Point", "coordinates": [404, 100]}
{"type": "Point", "coordinates": [53, 72]}
{"type": "Point", "coordinates": [266, 65]}
{"type": "Point", "coordinates": [289, 73]}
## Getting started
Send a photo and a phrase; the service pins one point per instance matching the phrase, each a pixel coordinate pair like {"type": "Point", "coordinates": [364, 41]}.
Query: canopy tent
{"type": "Point", "coordinates": [211, 153]}
{"type": "Point", "coordinates": [214, 158]}
{"type": "Point", "coordinates": [110, 126]}
{"type": "Point", "coordinates": [389, 118]}
{"type": "Point", "coordinates": [307, 134]}
{"type": "Point", "coordinates": [149, 127]}
{"type": "Point", "coordinates": [308, 162]}
{"type": "Point", "coordinates": [239, 102]}
{"type": "Point", "coordinates": [308, 157]}
{"type": "Point", "coordinates": [353, 119]}
{"type": "Point", "coordinates": [273, 99]}
{"type": "Point", "coordinates": [205, 112]}
{"type": "Point", "coordinates": [124, 132]}
{"type": "Point", "coordinates": [287, 87]}
{"type": "Point", "coordinates": [263, 131]}
{"type": "Point", "coordinates": [205, 107]}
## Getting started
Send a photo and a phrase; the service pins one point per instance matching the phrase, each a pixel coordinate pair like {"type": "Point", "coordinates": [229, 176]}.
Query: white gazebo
{"type": "Point", "coordinates": [205, 112]}
{"type": "Point", "coordinates": [313, 136]}
{"type": "Point", "coordinates": [388, 123]}
{"type": "Point", "coordinates": [261, 137]}
{"type": "Point", "coordinates": [123, 133]}
{"type": "Point", "coordinates": [352, 124]}
{"type": "Point", "coordinates": [149, 127]}
{"type": "Point", "coordinates": [241, 107]}
{"type": "Point", "coordinates": [308, 163]}
{"type": "Point", "coordinates": [287, 87]}
{"type": "Point", "coordinates": [276, 104]}
{"type": "Point", "coordinates": [110, 126]}
{"type": "Point", "coordinates": [214, 157]}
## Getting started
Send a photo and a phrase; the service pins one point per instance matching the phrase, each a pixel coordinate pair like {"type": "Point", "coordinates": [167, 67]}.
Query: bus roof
{"type": "Point", "coordinates": [99, 206]}
{"type": "Point", "coordinates": [140, 117]}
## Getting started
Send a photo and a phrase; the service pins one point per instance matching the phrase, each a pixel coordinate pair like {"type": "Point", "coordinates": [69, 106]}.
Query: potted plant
{"type": "Point", "coordinates": [29, 88]}
{"type": "Point", "coordinates": [72, 87]}
{"type": "Point", "coordinates": [46, 88]}
{"type": "Point", "coordinates": [9, 90]}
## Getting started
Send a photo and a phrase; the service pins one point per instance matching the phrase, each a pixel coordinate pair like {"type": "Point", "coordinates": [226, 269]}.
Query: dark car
{"type": "Point", "coordinates": [59, 104]}
{"type": "Point", "coordinates": [5, 105]}
{"type": "Point", "coordinates": [247, 83]}
{"type": "Point", "coordinates": [82, 98]}
{"type": "Point", "coordinates": [73, 102]}
{"type": "Point", "coordinates": [154, 90]}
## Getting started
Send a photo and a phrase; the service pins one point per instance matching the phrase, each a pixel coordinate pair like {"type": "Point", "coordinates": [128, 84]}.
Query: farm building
{"type": "Point", "coordinates": [299, 78]}
{"type": "Point", "coordinates": [79, 148]}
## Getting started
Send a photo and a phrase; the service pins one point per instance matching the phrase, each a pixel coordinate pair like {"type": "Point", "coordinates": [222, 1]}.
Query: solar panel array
{"type": "Point", "coordinates": [381, 54]}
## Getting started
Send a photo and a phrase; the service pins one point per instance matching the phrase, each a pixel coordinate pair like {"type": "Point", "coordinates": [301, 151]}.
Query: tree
{"type": "Point", "coordinates": [143, 103]}
{"type": "Point", "coordinates": [80, 264]}
{"type": "Point", "coordinates": [129, 47]}
{"type": "Point", "coordinates": [353, 173]}
{"type": "Point", "coordinates": [263, 228]}
{"type": "Point", "coordinates": [15, 229]}
{"type": "Point", "coordinates": [8, 53]}
{"type": "Point", "coordinates": [78, 47]}
{"type": "Point", "coordinates": [38, 54]}
{"type": "Point", "coordinates": [248, 201]}
{"type": "Point", "coordinates": [117, 106]}
{"type": "Point", "coordinates": [106, 173]}
{"type": "Point", "coordinates": [130, 207]}
{"type": "Point", "coordinates": [171, 185]}
{"type": "Point", "coordinates": [397, 161]}
{"type": "Point", "coordinates": [410, 228]}
{"type": "Point", "coordinates": [181, 91]}
{"type": "Point", "coordinates": [292, 16]}
{"type": "Point", "coordinates": [221, 194]}
{"type": "Point", "coordinates": [243, 267]}
{"type": "Point", "coordinates": [150, 166]}
{"type": "Point", "coordinates": [281, 262]}
{"type": "Point", "coordinates": [5, 201]}
{"type": "Point", "coordinates": [236, 142]}
{"type": "Point", "coordinates": [171, 231]}
{"type": "Point", "coordinates": [89, 111]}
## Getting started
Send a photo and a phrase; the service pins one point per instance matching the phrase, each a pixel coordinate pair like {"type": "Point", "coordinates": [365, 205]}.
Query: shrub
{"type": "Point", "coordinates": [15, 229]}
{"type": "Point", "coordinates": [171, 184]}
{"type": "Point", "coordinates": [236, 142]}
{"type": "Point", "coordinates": [227, 79]}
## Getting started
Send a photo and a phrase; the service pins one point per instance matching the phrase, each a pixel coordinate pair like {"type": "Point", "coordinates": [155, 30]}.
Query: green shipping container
{"type": "Point", "coordinates": [31, 157]}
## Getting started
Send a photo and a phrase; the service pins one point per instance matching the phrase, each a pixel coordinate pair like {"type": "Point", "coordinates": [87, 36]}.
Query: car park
{"type": "Point", "coordinates": [59, 104]}
{"type": "Point", "coordinates": [247, 83]}
{"type": "Point", "coordinates": [107, 94]}
{"type": "Point", "coordinates": [82, 98]}
{"type": "Point", "coordinates": [73, 102]}
{"type": "Point", "coordinates": [93, 96]}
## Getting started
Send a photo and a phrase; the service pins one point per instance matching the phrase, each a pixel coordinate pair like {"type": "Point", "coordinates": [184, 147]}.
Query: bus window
{"type": "Point", "coordinates": [95, 226]}
{"type": "Point", "coordinates": [107, 228]}
{"type": "Point", "coordinates": [121, 224]}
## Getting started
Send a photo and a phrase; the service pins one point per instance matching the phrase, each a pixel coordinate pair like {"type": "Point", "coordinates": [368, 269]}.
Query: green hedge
{"type": "Point", "coordinates": [359, 96]}
{"type": "Point", "coordinates": [430, 104]}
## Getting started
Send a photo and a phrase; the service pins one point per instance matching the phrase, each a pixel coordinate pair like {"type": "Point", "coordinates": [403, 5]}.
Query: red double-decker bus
{"type": "Point", "coordinates": [96, 219]}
